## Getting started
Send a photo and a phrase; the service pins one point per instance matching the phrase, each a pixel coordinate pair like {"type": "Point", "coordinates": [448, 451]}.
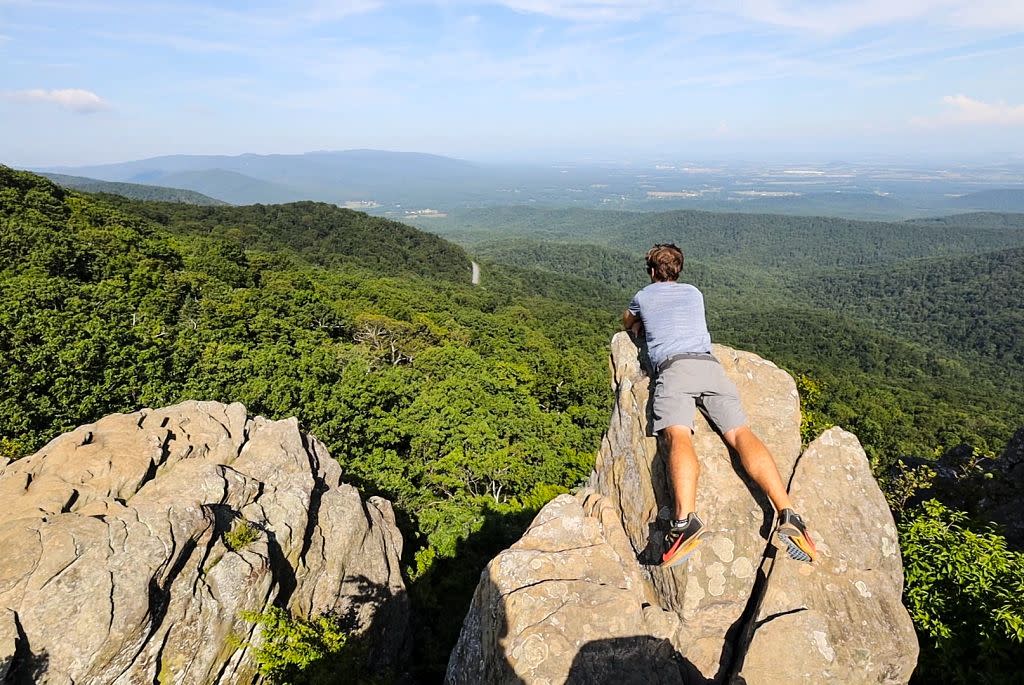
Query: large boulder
{"type": "Point", "coordinates": [566, 603]}
{"type": "Point", "coordinates": [711, 591]}
{"type": "Point", "coordinates": [840, 620]}
{"type": "Point", "coordinates": [132, 547]}
{"type": "Point", "coordinates": [736, 611]}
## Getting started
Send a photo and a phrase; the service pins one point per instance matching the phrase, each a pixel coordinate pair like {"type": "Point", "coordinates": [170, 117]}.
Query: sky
{"type": "Point", "coordinates": [94, 81]}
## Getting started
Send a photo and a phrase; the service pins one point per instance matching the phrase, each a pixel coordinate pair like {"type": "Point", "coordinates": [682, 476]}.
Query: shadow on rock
{"type": "Point", "coordinates": [27, 667]}
{"type": "Point", "coordinates": [640, 660]}
{"type": "Point", "coordinates": [371, 647]}
{"type": "Point", "coordinates": [377, 647]}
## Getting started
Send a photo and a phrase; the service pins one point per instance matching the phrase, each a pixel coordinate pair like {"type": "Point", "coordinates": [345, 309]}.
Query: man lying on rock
{"type": "Point", "coordinates": [687, 376]}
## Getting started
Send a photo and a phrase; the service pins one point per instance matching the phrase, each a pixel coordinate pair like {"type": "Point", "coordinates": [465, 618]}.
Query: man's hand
{"type": "Point", "coordinates": [632, 323]}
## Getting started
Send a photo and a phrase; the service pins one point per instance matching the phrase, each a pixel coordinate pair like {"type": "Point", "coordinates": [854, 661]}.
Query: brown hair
{"type": "Point", "coordinates": [666, 261]}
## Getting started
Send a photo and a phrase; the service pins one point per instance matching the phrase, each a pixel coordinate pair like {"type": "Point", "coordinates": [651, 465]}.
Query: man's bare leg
{"type": "Point", "coordinates": [759, 464]}
{"type": "Point", "coordinates": [683, 469]}
{"type": "Point", "coordinates": [684, 533]}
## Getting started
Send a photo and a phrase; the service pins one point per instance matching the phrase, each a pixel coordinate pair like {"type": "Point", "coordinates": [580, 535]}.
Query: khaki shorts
{"type": "Point", "coordinates": [686, 384]}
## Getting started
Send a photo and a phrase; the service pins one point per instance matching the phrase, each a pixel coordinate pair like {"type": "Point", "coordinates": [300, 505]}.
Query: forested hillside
{"type": "Point", "coordinates": [962, 305]}
{"type": "Point", "coordinates": [468, 407]}
{"type": "Point", "coordinates": [614, 268]}
{"type": "Point", "coordinates": [765, 241]}
{"type": "Point", "coordinates": [1000, 220]}
{"type": "Point", "coordinates": [136, 191]}
{"type": "Point", "coordinates": [321, 233]}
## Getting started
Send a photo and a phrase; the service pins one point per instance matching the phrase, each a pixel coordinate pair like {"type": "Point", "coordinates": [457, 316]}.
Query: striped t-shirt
{"type": "Point", "coordinates": [674, 323]}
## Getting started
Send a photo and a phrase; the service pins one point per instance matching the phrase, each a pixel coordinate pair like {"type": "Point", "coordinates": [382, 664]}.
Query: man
{"type": "Point", "coordinates": [679, 347]}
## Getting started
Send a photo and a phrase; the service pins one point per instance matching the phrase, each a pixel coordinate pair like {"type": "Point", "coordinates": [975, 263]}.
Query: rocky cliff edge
{"type": "Point", "coordinates": [117, 561]}
{"type": "Point", "coordinates": [579, 598]}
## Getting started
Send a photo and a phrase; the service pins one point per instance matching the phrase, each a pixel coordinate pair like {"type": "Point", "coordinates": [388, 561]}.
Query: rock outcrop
{"type": "Point", "coordinates": [132, 546]}
{"type": "Point", "coordinates": [573, 576]}
{"type": "Point", "coordinates": [845, 612]}
{"type": "Point", "coordinates": [734, 612]}
{"type": "Point", "coordinates": [1004, 503]}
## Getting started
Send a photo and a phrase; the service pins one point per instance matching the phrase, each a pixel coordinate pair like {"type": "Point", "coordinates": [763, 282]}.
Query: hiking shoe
{"type": "Point", "coordinates": [792, 532]}
{"type": "Point", "coordinates": [681, 539]}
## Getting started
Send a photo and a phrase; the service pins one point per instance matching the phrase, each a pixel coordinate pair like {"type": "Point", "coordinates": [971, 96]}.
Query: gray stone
{"type": "Point", "coordinates": [8, 641]}
{"type": "Point", "coordinates": [562, 605]}
{"type": "Point", "coordinates": [115, 562]}
{"type": "Point", "coordinates": [570, 598]}
{"type": "Point", "coordinates": [840, 620]}
{"type": "Point", "coordinates": [710, 591]}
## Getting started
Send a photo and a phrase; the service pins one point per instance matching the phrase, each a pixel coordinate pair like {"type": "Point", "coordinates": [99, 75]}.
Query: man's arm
{"type": "Point", "coordinates": [631, 322]}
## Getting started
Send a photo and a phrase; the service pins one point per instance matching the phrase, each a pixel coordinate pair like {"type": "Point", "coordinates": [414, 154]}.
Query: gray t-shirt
{"type": "Point", "coordinates": [674, 323]}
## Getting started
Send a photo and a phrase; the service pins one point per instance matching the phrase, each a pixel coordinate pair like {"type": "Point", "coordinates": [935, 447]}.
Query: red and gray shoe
{"type": "Point", "coordinates": [795, 537]}
{"type": "Point", "coordinates": [681, 539]}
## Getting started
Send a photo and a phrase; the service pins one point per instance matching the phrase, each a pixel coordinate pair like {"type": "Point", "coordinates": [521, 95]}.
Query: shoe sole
{"type": "Point", "coordinates": [797, 546]}
{"type": "Point", "coordinates": [684, 552]}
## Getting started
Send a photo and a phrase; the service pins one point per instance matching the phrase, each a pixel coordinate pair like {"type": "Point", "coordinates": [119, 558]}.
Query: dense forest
{"type": "Point", "coordinates": [764, 241]}
{"type": "Point", "coordinates": [462, 405]}
{"type": "Point", "coordinates": [469, 407]}
{"type": "Point", "coordinates": [968, 304]}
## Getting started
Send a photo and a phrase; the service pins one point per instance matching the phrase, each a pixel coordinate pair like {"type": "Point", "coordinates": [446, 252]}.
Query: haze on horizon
{"type": "Point", "coordinates": [513, 80]}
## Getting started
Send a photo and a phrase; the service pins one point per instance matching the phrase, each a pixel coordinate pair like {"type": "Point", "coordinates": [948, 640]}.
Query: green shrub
{"type": "Point", "coordinates": [241, 535]}
{"type": "Point", "coordinates": [296, 651]}
{"type": "Point", "coordinates": [965, 592]}
{"type": "Point", "coordinates": [903, 482]}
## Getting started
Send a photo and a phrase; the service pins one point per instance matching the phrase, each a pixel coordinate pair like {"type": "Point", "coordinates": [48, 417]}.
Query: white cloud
{"type": "Point", "coordinates": [333, 10]}
{"type": "Point", "coordinates": [964, 110]}
{"type": "Point", "coordinates": [831, 18]}
{"type": "Point", "coordinates": [73, 99]}
{"type": "Point", "coordinates": [587, 10]}
{"type": "Point", "coordinates": [838, 17]}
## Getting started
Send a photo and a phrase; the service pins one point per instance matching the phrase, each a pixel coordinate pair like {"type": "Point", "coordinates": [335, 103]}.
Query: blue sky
{"type": "Point", "coordinates": [87, 81]}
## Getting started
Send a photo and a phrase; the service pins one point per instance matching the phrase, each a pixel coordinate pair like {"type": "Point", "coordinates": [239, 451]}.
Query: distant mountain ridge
{"type": "Point", "coordinates": [136, 191]}
{"type": "Point", "coordinates": [342, 176]}
{"type": "Point", "coordinates": [740, 239]}
{"type": "Point", "coordinates": [236, 188]}
{"type": "Point", "coordinates": [997, 199]}
{"type": "Point", "coordinates": [398, 184]}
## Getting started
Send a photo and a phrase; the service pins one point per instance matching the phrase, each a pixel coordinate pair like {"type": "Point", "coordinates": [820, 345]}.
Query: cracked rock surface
{"type": "Point", "coordinates": [580, 599]}
{"type": "Point", "coordinates": [566, 603]}
{"type": "Point", "coordinates": [841, 620]}
{"type": "Point", "coordinates": [115, 567]}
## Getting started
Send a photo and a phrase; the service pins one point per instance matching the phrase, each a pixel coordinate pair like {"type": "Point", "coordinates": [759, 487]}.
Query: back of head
{"type": "Point", "coordinates": [664, 262]}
